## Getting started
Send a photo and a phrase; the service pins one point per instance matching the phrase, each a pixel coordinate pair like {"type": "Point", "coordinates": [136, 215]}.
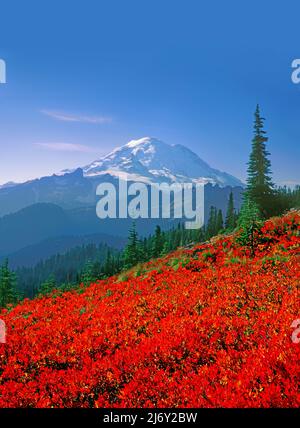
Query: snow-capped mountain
{"type": "Point", "coordinates": [64, 204]}
{"type": "Point", "coordinates": [151, 160]}
{"type": "Point", "coordinates": [145, 160]}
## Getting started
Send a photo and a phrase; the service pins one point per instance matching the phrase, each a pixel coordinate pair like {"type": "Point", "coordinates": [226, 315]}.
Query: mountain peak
{"type": "Point", "coordinates": [143, 141]}
{"type": "Point", "coordinates": [149, 159]}
{"type": "Point", "coordinates": [8, 184]}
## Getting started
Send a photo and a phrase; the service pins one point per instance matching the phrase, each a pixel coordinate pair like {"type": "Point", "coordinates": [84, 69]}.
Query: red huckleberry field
{"type": "Point", "coordinates": [203, 327]}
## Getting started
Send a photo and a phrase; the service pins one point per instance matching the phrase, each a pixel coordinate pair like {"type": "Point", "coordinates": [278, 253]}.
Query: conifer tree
{"type": "Point", "coordinates": [249, 222]}
{"type": "Point", "coordinates": [47, 286]}
{"type": "Point", "coordinates": [87, 276]}
{"type": "Point", "coordinates": [199, 234]}
{"type": "Point", "coordinates": [219, 222]}
{"type": "Point", "coordinates": [108, 268]}
{"type": "Point", "coordinates": [230, 222]}
{"type": "Point", "coordinates": [166, 247]}
{"type": "Point", "coordinates": [171, 240]}
{"type": "Point", "coordinates": [260, 188]}
{"type": "Point", "coordinates": [212, 223]}
{"type": "Point", "coordinates": [157, 242]}
{"type": "Point", "coordinates": [132, 251]}
{"type": "Point", "coordinates": [8, 293]}
{"type": "Point", "coordinates": [177, 236]}
{"type": "Point", "coordinates": [144, 250]}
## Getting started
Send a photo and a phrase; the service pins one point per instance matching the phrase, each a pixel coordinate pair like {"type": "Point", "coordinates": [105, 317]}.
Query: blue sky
{"type": "Point", "coordinates": [85, 77]}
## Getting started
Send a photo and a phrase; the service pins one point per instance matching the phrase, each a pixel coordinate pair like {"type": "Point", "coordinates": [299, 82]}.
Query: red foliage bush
{"type": "Point", "coordinates": [212, 332]}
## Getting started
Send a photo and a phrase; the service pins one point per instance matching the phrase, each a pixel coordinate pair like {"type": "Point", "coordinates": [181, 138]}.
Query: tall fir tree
{"type": "Point", "coordinates": [108, 267]}
{"type": "Point", "coordinates": [8, 293]}
{"type": "Point", "coordinates": [88, 275]}
{"type": "Point", "coordinates": [260, 188]}
{"type": "Point", "coordinates": [157, 242]}
{"type": "Point", "coordinates": [249, 223]}
{"type": "Point", "coordinates": [219, 222]}
{"type": "Point", "coordinates": [212, 223]}
{"type": "Point", "coordinates": [230, 221]}
{"type": "Point", "coordinates": [131, 255]}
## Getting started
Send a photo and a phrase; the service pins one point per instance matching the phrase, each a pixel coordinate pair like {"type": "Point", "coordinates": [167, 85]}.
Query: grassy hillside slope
{"type": "Point", "coordinates": [204, 327]}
